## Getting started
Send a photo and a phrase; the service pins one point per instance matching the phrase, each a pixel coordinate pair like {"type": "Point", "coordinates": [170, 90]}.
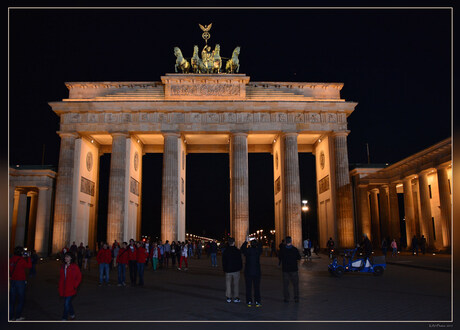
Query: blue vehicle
{"type": "Point", "coordinates": [363, 265]}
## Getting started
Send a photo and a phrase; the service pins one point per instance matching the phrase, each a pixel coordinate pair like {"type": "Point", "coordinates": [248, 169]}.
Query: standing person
{"type": "Point", "coordinates": [385, 247]}
{"type": "Point", "coordinates": [80, 255]}
{"type": "Point", "coordinates": [178, 251]}
{"type": "Point", "coordinates": [173, 254]}
{"type": "Point", "coordinates": [423, 244]}
{"type": "Point", "coordinates": [394, 246]}
{"type": "Point", "coordinates": [155, 254]}
{"type": "Point", "coordinates": [330, 245]}
{"type": "Point", "coordinates": [87, 260]}
{"type": "Point", "coordinates": [281, 246]}
{"type": "Point", "coordinates": [142, 256]}
{"type": "Point", "coordinates": [289, 258]}
{"type": "Point", "coordinates": [273, 249]}
{"type": "Point", "coordinates": [213, 252]}
{"type": "Point", "coordinates": [34, 260]}
{"type": "Point", "coordinates": [307, 248]}
{"type": "Point", "coordinates": [232, 265]}
{"type": "Point", "coordinates": [18, 264]}
{"type": "Point", "coordinates": [199, 249]}
{"type": "Point", "coordinates": [115, 251]}
{"type": "Point", "coordinates": [122, 262]}
{"type": "Point", "coordinates": [74, 249]}
{"type": "Point", "coordinates": [104, 258]}
{"type": "Point", "coordinates": [415, 245]}
{"type": "Point", "coordinates": [367, 248]}
{"type": "Point", "coordinates": [162, 253]}
{"type": "Point", "coordinates": [69, 280]}
{"type": "Point", "coordinates": [167, 254]}
{"type": "Point", "coordinates": [184, 256]}
{"type": "Point", "coordinates": [252, 271]}
{"type": "Point", "coordinates": [132, 259]}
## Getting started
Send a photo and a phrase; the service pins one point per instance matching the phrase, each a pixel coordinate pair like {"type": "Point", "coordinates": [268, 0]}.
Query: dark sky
{"type": "Point", "coordinates": [395, 63]}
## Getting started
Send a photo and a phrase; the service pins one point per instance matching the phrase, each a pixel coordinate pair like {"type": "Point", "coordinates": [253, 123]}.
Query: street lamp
{"type": "Point", "coordinates": [305, 209]}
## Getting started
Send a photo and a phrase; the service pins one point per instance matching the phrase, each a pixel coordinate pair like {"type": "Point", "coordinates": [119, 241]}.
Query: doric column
{"type": "Point", "coordinates": [344, 202]}
{"type": "Point", "coordinates": [170, 187]}
{"type": "Point", "coordinates": [117, 188]}
{"type": "Point", "coordinates": [375, 217]}
{"type": "Point", "coordinates": [409, 210]}
{"type": "Point", "coordinates": [239, 185]}
{"type": "Point", "coordinates": [21, 218]}
{"type": "Point", "coordinates": [384, 212]}
{"type": "Point", "coordinates": [395, 228]}
{"type": "Point", "coordinates": [42, 226]}
{"type": "Point", "coordinates": [445, 202]}
{"type": "Point", "coordinates": [32, 219]}
{"type": "Point", "coordinates": [64, 189]}
{"type": "Point", "coordinates": [364, 211]}
{"type": "Point", "coordinates": [425, 206]}
{"type": "Point", "coordinates": [292, 200]}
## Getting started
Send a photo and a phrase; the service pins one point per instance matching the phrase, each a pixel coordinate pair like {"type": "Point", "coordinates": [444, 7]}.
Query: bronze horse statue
{"type": "Point", "coordinates": [181, 62]}
{"type": "Point", "coordinates": [233, 64]}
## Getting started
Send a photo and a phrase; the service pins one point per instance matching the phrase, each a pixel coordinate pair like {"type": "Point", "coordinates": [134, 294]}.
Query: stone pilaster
{"type": "Point", "coordinates": [42, 226]}
{"type": "Point", "coordinates": [344, 197]}
{"type": "Point", "coordinates": [32, 219]}
{"type": "Point", "coordinates": [170, 187]}
{"type": "Point", "coordinates": [64, 190]}
{"type": "Point", "coordinates": [384, 212]}
{"type": "Point", "coordinates": [117, 188]}
{"type": "Point", "coordinates": [239, 185]}
{"type": "Point", "coordinates": [292, 199]}
{"type": "Point", "coordinates": [409, 210]}
{"type": "Point", "coordinates": [425, 206]}
{"type": "Point", "coordinates": [21, 219]}
{"type": "Point", "coordinates": [375, 217]}
{"type": "Point", "coordinates": [395, 228]}
{"type": "Point", "coordinates": [445, 202]}
{"type": "Point", "coordinates": [364, 211]}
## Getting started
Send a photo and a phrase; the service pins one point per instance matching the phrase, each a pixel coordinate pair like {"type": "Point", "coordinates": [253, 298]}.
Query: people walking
{"type": "Point", "coordinates": [232, 265]}
{"type": "Point", "coordinates": [252, 274]}
{"type": "Point", "coordinates": [184, 256]}
{"type": "Point", "coordinates": [18, 265]}
{"type": "Point", "coordinates": [69, 280]}
{"type": "Point", "coordinates": [289, 258]}
{"type": "Point", "coordinates": [104, 258]}
{"type": "Point", "coordinates": [423, 244]}
{"type": "Point", "coordinates": [132, 262]}
{"type": "Point", "coordinates": [394, 247]}
{"type": "Point", "coordinates": [122, 262]}
{"type": "Point", "coordinates": [307, 248]}
{"type": "Point", "coordinates": [213, 252]}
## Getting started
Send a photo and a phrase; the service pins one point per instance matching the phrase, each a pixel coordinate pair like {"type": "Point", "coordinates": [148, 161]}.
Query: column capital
{"type": "Point", "coordinates": [43, 188]}
{"type": "Point", "coordinates": [123, 134]}
{"type": "Point", "coordinates": [68, 134]}
{"type": "Point", "coordinates": [32, 193]}
{"type": "Point", "coordinates": [288, 134]}
{"type": "Point", "coordinates": [426, 171]}
{"type": "Point", "coordinates": [339, 133]}
{"type": "Point", "coordinates": [239, 134]}
{"type": "Point", "coordinates": [410, 177]}
{"type": "Point", "coordinates": [444, 166]}
{"type": "Point", "coordinates": [173, 134]}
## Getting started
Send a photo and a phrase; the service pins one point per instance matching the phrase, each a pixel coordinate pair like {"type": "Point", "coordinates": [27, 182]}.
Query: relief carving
{"type": "Point", "coordinates": [205, 90]}
{"type": "Point", "coordinates": [314, 118]}
{"type": "Point", "coordinates": [212, 118]}
{"type": "Point", "coordinates": [299, 118]}
{"type": "Point", "coordinates": [332, 118]}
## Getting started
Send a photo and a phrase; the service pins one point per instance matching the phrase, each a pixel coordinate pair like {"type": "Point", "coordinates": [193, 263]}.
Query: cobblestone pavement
{"type": "Point", "coordinates": [198, 294]}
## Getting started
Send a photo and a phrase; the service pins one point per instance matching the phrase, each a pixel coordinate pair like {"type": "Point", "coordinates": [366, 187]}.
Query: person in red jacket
{"type": "Point", "coordinates": [69, 280]}
{"type": "Point", "coordinates": [132, 262]}
{"type": "Point", "coordinates": [104, 258]}
{"type": "Point", "coordinates": [142, 256]}
{"type": "Point", "coordinates": [122, 261]}
{"type": "Point", "coordinates": [18, 264]}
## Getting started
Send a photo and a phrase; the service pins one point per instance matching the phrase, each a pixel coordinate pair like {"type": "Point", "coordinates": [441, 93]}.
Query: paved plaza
{"type": "Point", "coordinates": [411, 289]}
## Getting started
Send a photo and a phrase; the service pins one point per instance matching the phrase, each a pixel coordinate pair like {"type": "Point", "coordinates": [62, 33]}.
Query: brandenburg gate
{"type": "Point", "coordinates": [200, 113]}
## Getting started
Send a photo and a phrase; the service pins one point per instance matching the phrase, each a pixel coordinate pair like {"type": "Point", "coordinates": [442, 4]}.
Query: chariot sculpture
{"type": "Point", "coordinates": [210, 61]}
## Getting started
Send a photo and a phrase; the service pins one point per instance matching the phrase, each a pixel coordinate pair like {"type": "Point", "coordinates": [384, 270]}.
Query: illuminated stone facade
{"type": "Point", "coordinates": [201, 113]}
{"type": "Point", "coordinates": [425, 182]}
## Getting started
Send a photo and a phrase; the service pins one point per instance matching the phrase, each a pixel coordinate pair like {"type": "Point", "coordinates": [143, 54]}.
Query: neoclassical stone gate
{"type": "Point", "coordinates": [193, 113]}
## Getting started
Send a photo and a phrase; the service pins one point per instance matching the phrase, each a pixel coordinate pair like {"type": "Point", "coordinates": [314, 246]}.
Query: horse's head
{"type": "Point", "coordinates": [217, 49]}
{"type": "Point", "coordinates": [177, 51]}
{"type": "Point", "coordinates": [237, 51]}
{"type": "Point", "coordinates": [195, 50]}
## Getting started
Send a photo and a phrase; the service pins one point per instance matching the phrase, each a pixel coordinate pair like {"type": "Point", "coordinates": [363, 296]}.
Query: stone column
{"type": "Point", "coordinates": [32, 219]}
{"type": "Point", "coordinates": [384, 213]}
{"type": "Point", "coordinates": [395, 227]}
{"type": "Point", "coordinates": [445, 202]}
{"type": "Point", "coordinates": [364, 211]}
{"type": "Point", "coordinates": [292, 199]}
{"type": "Point", "coordinates": [239, 222]}
{"type": "Point", "coordinates": [425, 206]}
{"type": "Point", "coordinates": [409, 210]}
{"type": "Point", "coordinates": [11, 214]}
{"type": "Point", "coordinates": [21, 219]}
{"type": "Point", "coordinates": [344, 196]}
{"type": "Point", "coordinates": [117, 189]}
{"type": "Point", "coordinates": [170, 187]}
{"type": "Point", "coordinates": [375, 217]}
{"type": "Point", "coordinates": [42, 226]}
{"type": "Point", "coordinates": [64, 190]}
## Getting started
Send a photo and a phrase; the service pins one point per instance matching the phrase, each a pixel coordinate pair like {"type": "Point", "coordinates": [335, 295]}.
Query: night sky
{"type": "Point", "coordinates": [395, 63]}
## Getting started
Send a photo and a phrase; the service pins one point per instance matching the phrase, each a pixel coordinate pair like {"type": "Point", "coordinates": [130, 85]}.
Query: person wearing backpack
{"type": "Point", "coordinates": [69, 280]}
{"type": "Point", "coordinates": [18, 264]}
